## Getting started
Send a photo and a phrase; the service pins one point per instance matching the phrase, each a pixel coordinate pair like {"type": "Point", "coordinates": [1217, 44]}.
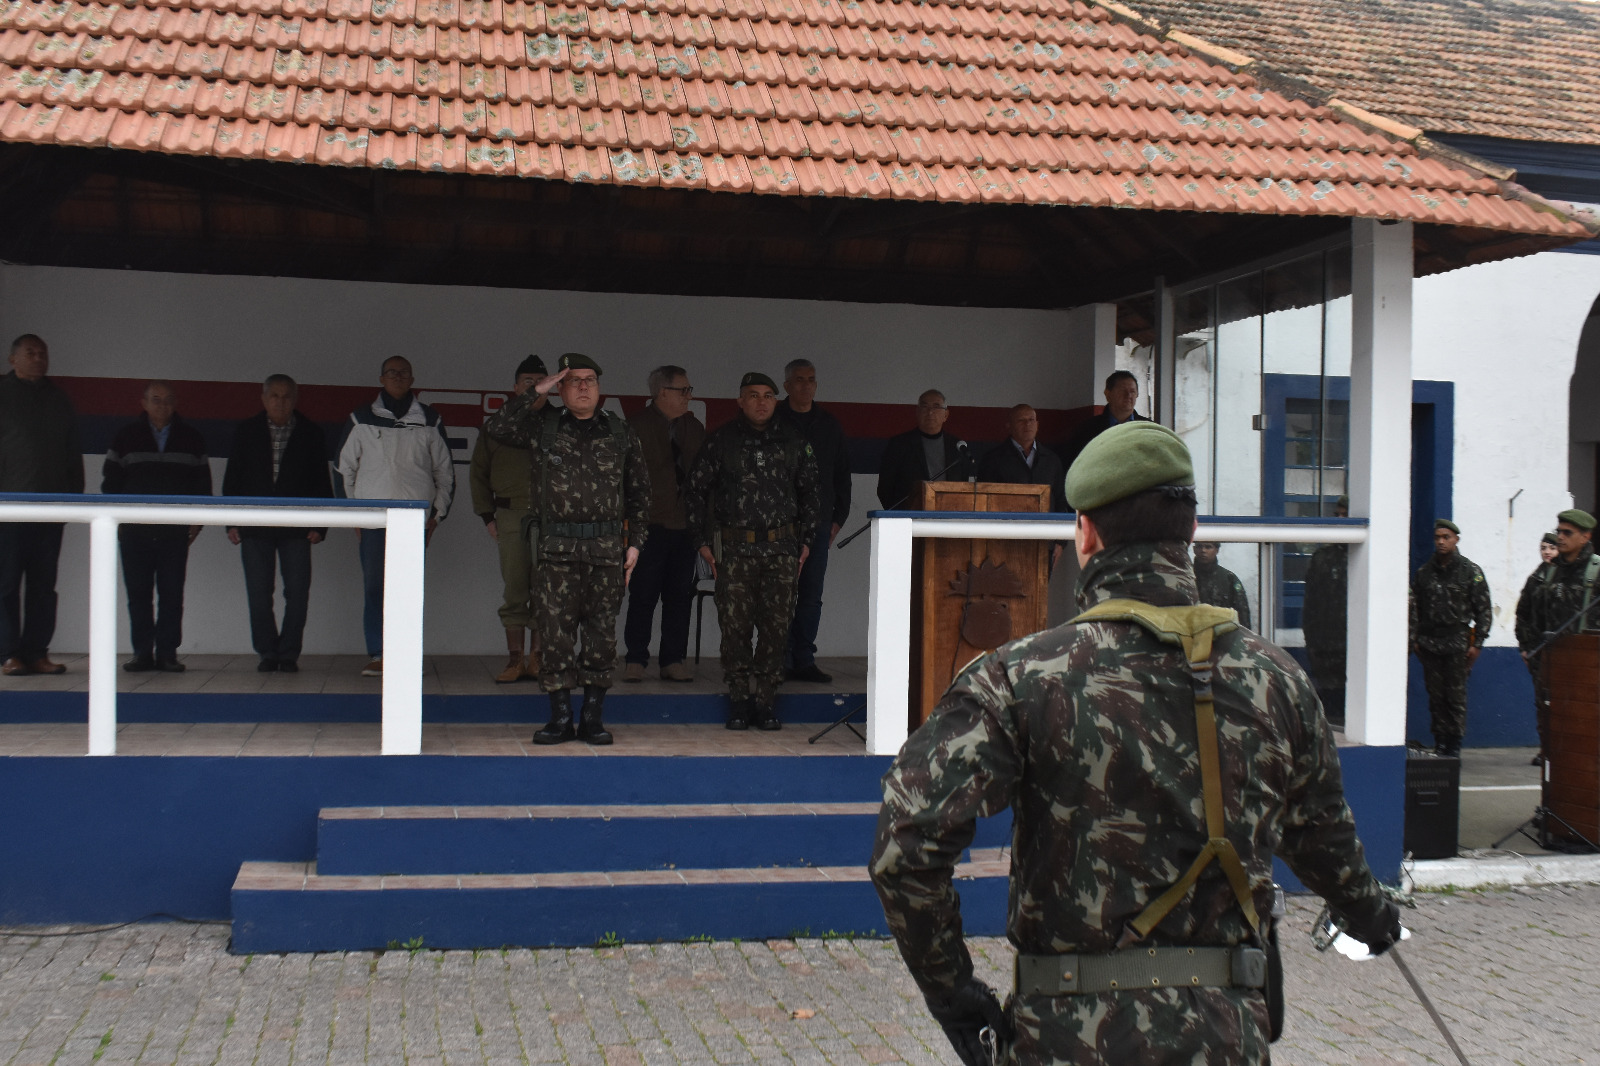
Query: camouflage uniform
{"type": "Point", "coordinates": [1221, 587]}
{"type": "Point", "coordinates": [597, 477]}
{"type": "Point", "coordinates": [748, 481]}
{"type": "Point", "coordinates": [1450, 612]}
{"type": "Point", "coordinates": [1323, 619]}
{"type": "Point", "coordinates": [1088, 733]}
{"type": "Point", "coordinates": [1554, 593]}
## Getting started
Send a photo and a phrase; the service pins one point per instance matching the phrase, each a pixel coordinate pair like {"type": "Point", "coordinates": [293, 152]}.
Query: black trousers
{"type": "Point", "coordinates": [154, 564]}
{"type": "Point", "coordinates": [29, 552]}
{"type": "Point", "coordinates": [293, 558]}
{"type": "Point", "coordinates": [664, 574]}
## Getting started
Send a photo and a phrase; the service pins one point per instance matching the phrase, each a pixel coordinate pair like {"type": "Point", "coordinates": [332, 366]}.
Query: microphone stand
{"type": "Point", "coordinates": [961, 457]}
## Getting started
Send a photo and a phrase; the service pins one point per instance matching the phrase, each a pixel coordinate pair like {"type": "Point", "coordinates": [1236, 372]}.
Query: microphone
{"type": "Point", "coordinates": [961, 457]}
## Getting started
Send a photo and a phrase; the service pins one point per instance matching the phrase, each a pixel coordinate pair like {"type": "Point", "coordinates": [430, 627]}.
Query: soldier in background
{"type": "Point", "coordinates": [500, 477]}
{"type": "Point", "coordinates": [1450, 619]}
{"type": "Point", "coordinates": [1323, 618]}
{"type": "Point", "coordinates": [1553, 594]}
{"type": "Point", "coordinates": [755, 486]}
{"type": "Point", "coordinates": [1548, 547]}
{"type": "Point", "coordinates": [589, 502]}
{"type": "Point", "coordinates": [1218, 585]}
{"type": "Point", "coordinates": [1091, 733]}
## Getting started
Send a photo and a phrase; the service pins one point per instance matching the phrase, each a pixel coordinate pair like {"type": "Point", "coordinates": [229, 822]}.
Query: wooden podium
{"type": "Point", "coordinates": [1572, 767]}
{"type": "Point", "coordinates": [971, 596]}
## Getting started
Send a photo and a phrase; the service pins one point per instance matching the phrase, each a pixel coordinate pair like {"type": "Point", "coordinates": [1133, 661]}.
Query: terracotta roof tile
{"type": "Point", "coordinates": [1039, 101]}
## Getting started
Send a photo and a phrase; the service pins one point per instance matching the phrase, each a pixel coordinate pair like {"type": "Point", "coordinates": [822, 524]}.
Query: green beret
{"type": "Point", "coordinates": [1581, 519]}
{"type": "Point", "coordinates": [1549, 538]}
{"type": "Point", "coordinates": [1343, 501]}
{"type": "Point", "coordinates": [578, 361]}
{"type": "Point", "coordinates": [531, 365]}
{"type": "Point", "coordinates": [756, 377]}
{"type": "Point", "coordinates": [1445, 523]}
{"type": "Point", "coordinates": [1127, 459]}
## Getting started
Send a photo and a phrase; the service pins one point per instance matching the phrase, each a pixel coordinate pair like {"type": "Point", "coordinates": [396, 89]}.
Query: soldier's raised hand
{"type": "Point", "coordinates": [545, 385]}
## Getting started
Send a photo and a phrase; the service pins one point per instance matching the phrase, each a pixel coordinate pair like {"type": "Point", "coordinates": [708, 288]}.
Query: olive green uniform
{"type": "Point", "coordinates": [500, 476]}
{"type": "Point", "coordinates": [1450, 613]}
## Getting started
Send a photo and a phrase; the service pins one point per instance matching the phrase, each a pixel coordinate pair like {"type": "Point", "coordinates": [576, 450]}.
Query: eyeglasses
{"type": "Point", "coordinates": [396, 373]}
{"type": "Point", "coordinates": [687, 390]}
{"type": "Point", "coordinates": [932, 407]}
{"type": "Point", "coordinates": [584, 383]}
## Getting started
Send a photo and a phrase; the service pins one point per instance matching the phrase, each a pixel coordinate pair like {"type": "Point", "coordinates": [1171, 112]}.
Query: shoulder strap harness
{"type": "Point", "coordinates": [1193, 628]}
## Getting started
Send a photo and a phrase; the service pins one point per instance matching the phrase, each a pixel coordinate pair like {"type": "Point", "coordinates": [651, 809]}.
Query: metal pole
{"type": "Point", "coordinates": [103, 635]}
{"type": "Point", "coordinates": [404, 544]}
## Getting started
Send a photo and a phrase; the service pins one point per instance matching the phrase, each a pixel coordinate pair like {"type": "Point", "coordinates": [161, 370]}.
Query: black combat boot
{"type": "Point", "coordinates": [559, 731]}
{"type": "Point", "coordinates": [739, 714]}
{"type": "Point", "coordinates": [765, 717]}
{"type": "Point", "coordinates": [590, 731]}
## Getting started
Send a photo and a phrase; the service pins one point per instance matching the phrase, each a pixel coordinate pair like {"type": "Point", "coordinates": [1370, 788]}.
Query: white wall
{"type": "Point", "coordinates": [1507, 334]}
{"type": "Point", "coordinates": [209, 328]}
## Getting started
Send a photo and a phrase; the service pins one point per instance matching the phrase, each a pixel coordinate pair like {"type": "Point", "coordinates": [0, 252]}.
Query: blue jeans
{"type": "Point", "coordinates": [808, 603]}
{"type": "Point", "coordinates": [372, 542]}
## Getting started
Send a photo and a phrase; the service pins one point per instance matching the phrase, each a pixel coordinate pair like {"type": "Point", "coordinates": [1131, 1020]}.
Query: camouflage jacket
{"type": "Point", "coordinates": [1221, 587]}
{"type": "Point", "coordinates": [754, 479]}
{"type": "Point", "coordinates": [1450, 606]}
{"type": "Point", "coordinates": [596, 473]}
{"type": "Point", "coordinates": [1554, 593]}
{"type": "Point", "coordinates": [1088, 733]}
{"type": "Point", "coordinates": [1324, 615]}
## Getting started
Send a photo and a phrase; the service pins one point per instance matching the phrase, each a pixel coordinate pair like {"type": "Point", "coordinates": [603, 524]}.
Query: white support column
{"type": "Point", "coordinates": [889, 636]}
{"type": "Point", "coordinates": [1091, 341]}
{"type": "Point", "coordinates": [1380, 480]}
{"type": "Point", "coordinates": [103, 636]}
{"type": "Point", "coordinates": [402, 631]}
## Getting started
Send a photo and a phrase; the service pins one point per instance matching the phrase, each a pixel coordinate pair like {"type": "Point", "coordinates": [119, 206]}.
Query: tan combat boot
{"type": "Point", "coordinates": [513, 670]}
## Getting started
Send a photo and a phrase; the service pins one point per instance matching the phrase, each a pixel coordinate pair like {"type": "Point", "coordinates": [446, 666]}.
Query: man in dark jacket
{"type": "Point", "coordinates": [39, 452]}
{"type": "Point", "coordinates": [278, 452]}
{"type": "Point", "coordinates": [157, 454]}
{"type": "Point", "coordinates": [926, 453]}
{"type": "Point", "coordinates": [1121, 393]}
{"type": "Point", "coordinates": [1022, 460]}
{"type": "Point", "coordinates": [823, 432]}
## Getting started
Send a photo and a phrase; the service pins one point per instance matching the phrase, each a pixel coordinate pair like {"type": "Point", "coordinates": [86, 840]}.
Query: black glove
{"type": "Point", "coordinates": [1378, 928]}
{"type": "Point", "coordinates": [964, 1014]}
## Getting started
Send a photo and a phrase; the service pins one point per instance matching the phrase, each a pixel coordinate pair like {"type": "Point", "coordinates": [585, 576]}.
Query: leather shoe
{"type": "Point", "coordinates": [676, 672]}
{"type": "Point", "coordinates": [288, 666]}
{"type": "Point", "coordinates": [139, 664]}
{"type": "Point", "coordinates": [633, 673]}
{"type": "Point", "coordinates": [15, 667]}
{"type": "Point", "coordinates": [171, 666]}
{"type": "Point", "coordinates": [266, 666]}
{"type": "Point", "coordinates": [810, 673]}
{"type": "Point", "coordinates": [43, 665]}
{"type": "Point", "coordinates": [739, 715]}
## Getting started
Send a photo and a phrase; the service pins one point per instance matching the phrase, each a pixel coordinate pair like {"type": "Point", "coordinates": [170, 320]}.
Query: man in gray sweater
{"type": "Point", "coordinates": [39, 452]}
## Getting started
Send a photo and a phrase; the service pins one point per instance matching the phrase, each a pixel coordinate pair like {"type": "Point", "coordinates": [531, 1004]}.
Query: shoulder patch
{"type": "Point", "coordinates": [808, 448]}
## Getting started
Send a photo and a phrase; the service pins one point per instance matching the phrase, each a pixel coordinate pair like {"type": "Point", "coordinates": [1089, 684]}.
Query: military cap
{"type": "Point", "coordinates": [1343, 501]}
{"type": "Point", "coordinates": [1581, 519]}
{"type": "Point", "coordinates": [1445, 523]}
{"type": "Point", "coordinates": [756, 377]}
{"type": "Point", "coordinates": [578, 361]}
{"type": "Point", "coordinates": [1126, 459]}
{"type": "Point", "coordinates": [1549, 538]}
{"type": "Point", "coordinates": [532, 365]}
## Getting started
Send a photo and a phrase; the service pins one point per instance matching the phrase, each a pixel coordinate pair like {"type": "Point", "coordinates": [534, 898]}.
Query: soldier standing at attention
{"type": "Point", "coordinates": [500, 477]}
{"type": "Point", "coordinates": [1126, 742]}
{"type": "Point", "coordinates": [755, 484]}
{"type": "Point", "coordinates": [1554, 593]}
{"type": "Point", "coordinates": [1218, 585]}
{"type": "Point", "coordinates": [589, 502]}
{"type": "Point", "coordinates": [1450, 619]}
{"type": "Point", "coordinates": [1323, 618]}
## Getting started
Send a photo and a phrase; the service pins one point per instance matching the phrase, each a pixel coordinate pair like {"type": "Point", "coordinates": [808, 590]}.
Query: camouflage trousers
{"type": "Point", "coordinates": [572, 599]}
{"type": "Point", "coordinates": [516, 565]}
{"type": "Point", "coordinates": [1445, 676]}
{"type": "Point", "coordinates": [755, 599]}
{"type": "Point", "coordinates": [1215, 1026]}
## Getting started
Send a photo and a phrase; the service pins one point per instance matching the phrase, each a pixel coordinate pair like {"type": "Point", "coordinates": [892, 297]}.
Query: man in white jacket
{"type": "Point", "coordinates": [393, 449]}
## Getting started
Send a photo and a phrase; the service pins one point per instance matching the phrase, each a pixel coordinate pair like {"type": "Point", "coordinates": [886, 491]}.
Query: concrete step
{"type": "Point", "coordinates": [549, 839]}
{"type": "Point", "coordinates": [279, 907]}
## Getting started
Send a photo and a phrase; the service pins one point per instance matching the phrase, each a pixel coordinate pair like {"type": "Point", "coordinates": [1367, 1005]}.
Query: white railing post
{"type": "Point", "coordinates": [402, 630]}
{"type": "Point", "coordinates": [103, 635]}
{"type": "Point", "coordinates": [889, 636]}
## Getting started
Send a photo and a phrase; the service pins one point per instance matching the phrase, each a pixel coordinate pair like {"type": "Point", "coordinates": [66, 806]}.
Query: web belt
{"type": "Point", "coordinates": [734, 535]}
{"type": "Point", "coordinates": [583, 530]}
{"type": "Point", "coordinates": [1141, 967]}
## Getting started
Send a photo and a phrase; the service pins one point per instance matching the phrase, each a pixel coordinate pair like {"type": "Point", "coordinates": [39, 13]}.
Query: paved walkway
{"type": "Point", "coordinates": [1515, 973]}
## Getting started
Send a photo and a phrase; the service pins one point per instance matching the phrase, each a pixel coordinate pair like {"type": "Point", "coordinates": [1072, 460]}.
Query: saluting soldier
{"type": "Point", "coordinates": [1218, 585]}
{"type": "Point", "coordinates": [500, 476]}
{"type": "Point", "coordinates": [1126, 742]}
{"type": "Point", "coordinates": [1450, 619]}
{"type": "Point", "coordinates": [589, 501]}
{"type": "Point", "coordinates": [1555, 592]}
{"type": "Point", "coordinates": [754, 485]}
